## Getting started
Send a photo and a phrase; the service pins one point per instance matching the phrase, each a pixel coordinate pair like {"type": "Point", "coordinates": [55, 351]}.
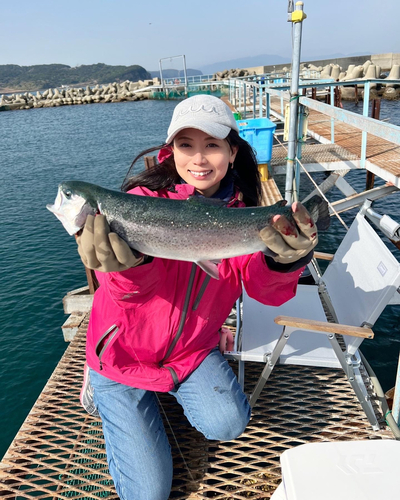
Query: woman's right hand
{"type": "Point", "coordinates": [102, 250]}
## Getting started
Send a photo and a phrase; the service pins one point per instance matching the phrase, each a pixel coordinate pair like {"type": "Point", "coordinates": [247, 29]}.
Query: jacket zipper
{"type": "Point", "coordinates": [201, 292]}
{"type": "Point", "coordinates": [181, 324]}
{"type": "Point", "coordinates": [112, 331]}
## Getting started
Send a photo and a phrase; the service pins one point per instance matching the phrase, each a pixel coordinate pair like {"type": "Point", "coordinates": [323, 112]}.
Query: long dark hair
{"type": "Point", "coordinates": [164, 175]}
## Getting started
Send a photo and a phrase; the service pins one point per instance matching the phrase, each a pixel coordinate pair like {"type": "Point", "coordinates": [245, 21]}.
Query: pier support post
{"type": "Point", "coordinates": [396, 397]}
{"type": "Point", "coordinates": [296, 17]}
{"type": "Point", "coordinates": [375, 112]}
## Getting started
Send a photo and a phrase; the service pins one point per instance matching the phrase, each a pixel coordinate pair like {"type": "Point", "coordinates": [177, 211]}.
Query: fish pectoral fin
{"type": "Point", "coordinates": [209, 268]}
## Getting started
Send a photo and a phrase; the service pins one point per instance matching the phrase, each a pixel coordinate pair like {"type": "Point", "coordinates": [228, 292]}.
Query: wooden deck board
{"type": "Point", "coordinates": [380, 153]}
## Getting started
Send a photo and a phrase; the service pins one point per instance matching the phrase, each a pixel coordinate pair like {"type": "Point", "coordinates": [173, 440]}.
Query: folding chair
{"type": "Point", "coordinates": [356, 286]}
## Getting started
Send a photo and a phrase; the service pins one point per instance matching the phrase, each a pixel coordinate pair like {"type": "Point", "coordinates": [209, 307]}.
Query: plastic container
{"type": "Point", "coordinates": [347, 470]}
{"type": "Point", "coordinates": [259, 133]}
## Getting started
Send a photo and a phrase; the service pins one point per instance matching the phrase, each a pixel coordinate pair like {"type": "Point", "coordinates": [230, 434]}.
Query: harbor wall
{"type": "Point", "coordinates": [113, 92]}
{"type": "Point", "coordinates": [385, 61]}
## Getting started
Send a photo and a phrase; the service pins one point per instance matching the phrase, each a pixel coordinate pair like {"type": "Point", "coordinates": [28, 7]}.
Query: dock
{"type": "Point", "coordinates": [59, 450]}
{"type": "Point", "coordinates": [382, 156]}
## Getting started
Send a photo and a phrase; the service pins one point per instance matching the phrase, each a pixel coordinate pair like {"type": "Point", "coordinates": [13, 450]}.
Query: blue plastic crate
{"type": "Point", "coordinates": [259, 133]}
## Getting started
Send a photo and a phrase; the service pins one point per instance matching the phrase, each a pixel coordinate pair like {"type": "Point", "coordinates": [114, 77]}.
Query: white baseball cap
{"type": "Point", "coordinates": [203, 112]}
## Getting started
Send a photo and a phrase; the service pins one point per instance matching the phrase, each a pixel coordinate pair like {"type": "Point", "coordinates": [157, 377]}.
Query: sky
{"type": "Point", "coordinates": [126, 32]}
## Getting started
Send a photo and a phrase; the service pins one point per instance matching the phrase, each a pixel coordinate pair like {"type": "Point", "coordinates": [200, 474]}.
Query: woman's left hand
{"type": "Point", "coordinates": [226, 341]}
{"type": "Point", "coordinates": [290, 242]}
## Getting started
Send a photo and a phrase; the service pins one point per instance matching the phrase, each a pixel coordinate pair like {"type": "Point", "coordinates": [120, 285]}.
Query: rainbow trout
{"type": "Point", "coordinates": [199, 230]}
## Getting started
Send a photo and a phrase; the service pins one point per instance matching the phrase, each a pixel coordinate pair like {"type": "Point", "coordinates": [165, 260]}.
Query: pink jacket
{"type": "Point", "coordinates": [152, 325]}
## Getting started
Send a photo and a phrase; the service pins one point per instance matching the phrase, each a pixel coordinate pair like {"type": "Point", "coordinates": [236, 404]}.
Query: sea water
{"type": "Point", "coordinates": [39, 262]}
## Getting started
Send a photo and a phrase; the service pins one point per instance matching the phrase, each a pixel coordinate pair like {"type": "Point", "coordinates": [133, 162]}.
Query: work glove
{"type": "Point", "coordinates": [290, 243]}
{"type": "Point", "coordinates": [102, 250]}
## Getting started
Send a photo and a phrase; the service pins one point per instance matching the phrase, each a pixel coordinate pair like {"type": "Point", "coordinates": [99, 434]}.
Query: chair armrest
{"type": "Point", "coordinates": [322, 326]}
{"type": "Point", "coordinates": [323, 255]}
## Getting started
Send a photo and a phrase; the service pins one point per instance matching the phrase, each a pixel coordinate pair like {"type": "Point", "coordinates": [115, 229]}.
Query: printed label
{"type": "Point", "coordinates": [382, 268]}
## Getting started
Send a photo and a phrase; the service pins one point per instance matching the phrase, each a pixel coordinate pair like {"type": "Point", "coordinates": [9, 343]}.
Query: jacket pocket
{"type": "Point", "coordinates": [104, 342]}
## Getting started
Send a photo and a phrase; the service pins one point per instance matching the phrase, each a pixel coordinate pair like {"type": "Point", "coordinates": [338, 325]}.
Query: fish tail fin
{"type": "Point", "coordinates": [319, 211]}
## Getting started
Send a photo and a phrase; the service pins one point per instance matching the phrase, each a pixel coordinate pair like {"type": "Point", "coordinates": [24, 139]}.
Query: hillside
{"type": "Point", "coordinates": [44, 76]}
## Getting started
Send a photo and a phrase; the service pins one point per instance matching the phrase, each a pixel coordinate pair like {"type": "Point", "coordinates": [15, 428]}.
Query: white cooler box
{"type": "Point", "coordinates": [342, 470]}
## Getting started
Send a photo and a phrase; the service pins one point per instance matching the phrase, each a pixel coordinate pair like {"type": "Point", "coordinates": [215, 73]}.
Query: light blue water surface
{"type": "Point", "coordinates": [39, 263]}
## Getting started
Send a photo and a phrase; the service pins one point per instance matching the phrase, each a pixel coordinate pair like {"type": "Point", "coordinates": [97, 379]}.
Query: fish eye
{"type": "Point", "coordinates": [67, 194]}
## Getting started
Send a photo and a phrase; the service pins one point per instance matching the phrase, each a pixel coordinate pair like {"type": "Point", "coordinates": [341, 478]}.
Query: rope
{"type": "Point", "coordinates": [315, 184]}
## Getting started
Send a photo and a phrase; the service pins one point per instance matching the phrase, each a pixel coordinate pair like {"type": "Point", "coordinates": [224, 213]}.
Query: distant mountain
{"type": "Point", "coordinates": [175, 73]}
{"type": "Point", "coordinates": [46, 76]}
{"type": "Point", "coordinates": [244, 62]}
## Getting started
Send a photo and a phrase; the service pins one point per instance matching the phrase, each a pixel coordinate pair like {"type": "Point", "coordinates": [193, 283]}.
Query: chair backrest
{"type": "Point", "coordinates": [360, 281]}
{"type": "Point", "coordinates": [362, 277]}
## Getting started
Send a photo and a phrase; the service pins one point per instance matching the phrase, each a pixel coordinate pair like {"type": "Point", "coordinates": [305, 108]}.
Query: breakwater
{"type": "Point", "coordinates": [343, 69]}
{"type": "Point", "coordinates": [113, 92]}
{"type": "Point", "coordinates": [151, 89]}
{"type": "Point", "coordinates": [360, 73]}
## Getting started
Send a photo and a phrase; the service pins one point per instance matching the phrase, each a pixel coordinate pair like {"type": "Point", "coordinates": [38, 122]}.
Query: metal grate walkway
{"type": "Point", "coordinates": [59, 450]}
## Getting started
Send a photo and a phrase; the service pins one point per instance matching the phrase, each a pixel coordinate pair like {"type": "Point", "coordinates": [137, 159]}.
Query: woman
{"type": "Point", "coordinates": [155, 322]}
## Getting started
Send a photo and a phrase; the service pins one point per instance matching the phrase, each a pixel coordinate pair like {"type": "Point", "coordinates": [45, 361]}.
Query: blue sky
{"type": "Point", "coordinates": [144, 31]}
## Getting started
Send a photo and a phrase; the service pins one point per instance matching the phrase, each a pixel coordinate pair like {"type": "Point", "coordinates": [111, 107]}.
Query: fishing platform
{"type": "Point", "coordinates": [59, 450]}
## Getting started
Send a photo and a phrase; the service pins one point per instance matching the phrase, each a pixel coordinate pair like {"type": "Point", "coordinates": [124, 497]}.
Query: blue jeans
{"type": "Point", "coordinates": [138, 451]}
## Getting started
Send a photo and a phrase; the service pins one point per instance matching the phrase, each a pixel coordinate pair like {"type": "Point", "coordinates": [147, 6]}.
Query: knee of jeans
{"type": "Point", "coordinates": [229, 430]}
{"type": "Point", "coordinates": [156, 486]}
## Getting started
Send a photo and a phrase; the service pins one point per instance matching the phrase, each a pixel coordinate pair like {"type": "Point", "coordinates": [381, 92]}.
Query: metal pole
{"type": "Point", "coordinates": [184, 71]}
{"type": "Point", "coordinates": [296, 17]}
{"type": "Point", "coordinates": [396, 397]}
{"type": "Point", "coordinates": [364, 134]}
{"type": "Point", "coordinates": [161, 77]}
{"type": "Point", "coordinates": [332, 89]}
{"type": "Point", "coordinates": [244, 99]}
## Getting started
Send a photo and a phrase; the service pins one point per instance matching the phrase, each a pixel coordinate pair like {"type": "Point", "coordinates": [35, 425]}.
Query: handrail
{"type": "Point", "coordinates": [370, 125]}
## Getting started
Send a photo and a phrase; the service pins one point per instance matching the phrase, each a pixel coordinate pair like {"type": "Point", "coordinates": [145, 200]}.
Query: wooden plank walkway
{"type": "Point", "coordinates": [59, 451]}
{"type": "Point", "coordinates": [383, 157]}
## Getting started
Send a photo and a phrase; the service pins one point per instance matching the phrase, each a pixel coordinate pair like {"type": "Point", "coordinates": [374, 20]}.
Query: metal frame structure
{"type": "Point", "coordinates": [170, 59]}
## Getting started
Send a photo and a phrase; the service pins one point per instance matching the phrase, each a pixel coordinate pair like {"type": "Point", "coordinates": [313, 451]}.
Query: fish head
{"type": "Point", "coordinates": [71, 208]}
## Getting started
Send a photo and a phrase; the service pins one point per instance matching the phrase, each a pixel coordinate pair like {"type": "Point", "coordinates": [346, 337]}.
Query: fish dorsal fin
{"type": "Point", "coordinates": [211, 202]}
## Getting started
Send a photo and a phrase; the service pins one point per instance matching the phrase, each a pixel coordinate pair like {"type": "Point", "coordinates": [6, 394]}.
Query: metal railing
{"type": "Point", "coordinates": [245, 95]}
